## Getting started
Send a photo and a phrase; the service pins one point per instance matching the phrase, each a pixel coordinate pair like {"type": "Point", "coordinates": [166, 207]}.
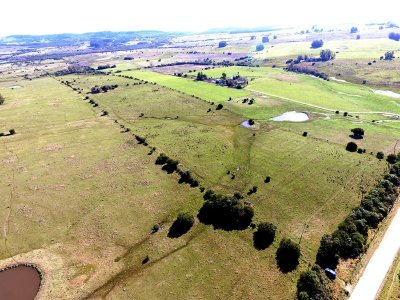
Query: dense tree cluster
{"type": "Point", "coordinates": [264, 236]}
{"type": "Point", "coordinates": [327, 54]}
{"type": "Point", "coordinates": [76, 70]}
{"type": "Point", "coordinates": [287, 255]}
{"type": "Point", "coordinates": [225, 212]}
{"type": "Point", "coordinates": [349, 240]}
{"type": "Point", "coordinates": [389, 55]}
{"type": "Point", "coordinates": [358, 133]}
{"type": "Point", "coordinates": [394, 36]}
{"type": "Point", "coordinates": [317, 44]}
{"type": "Point", "coordinates": [311, 285]}
{"type": "Point", "coordinates": [201, 76]}
{"type": "Point", "coordinates": [181, 225]}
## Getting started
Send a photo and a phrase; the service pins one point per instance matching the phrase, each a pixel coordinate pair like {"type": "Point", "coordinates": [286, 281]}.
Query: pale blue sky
{"type": "Point", "coordinates": [77, 16]}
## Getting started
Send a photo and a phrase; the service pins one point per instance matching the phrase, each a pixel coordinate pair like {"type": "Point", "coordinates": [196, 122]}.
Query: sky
{"type": "Point", "coordinates": [79, 16]}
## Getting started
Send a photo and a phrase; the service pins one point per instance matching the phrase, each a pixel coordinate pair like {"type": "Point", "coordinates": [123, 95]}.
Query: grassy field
{"type": "Point", "coordinates": [81, 196]}
{"type": "Point", "coordinates": [391, 288]}
{"type": "Point", "coordinates": [210, 144]}
{"type": "Point", "coordinates": [348, 49]}
{"type": "Point", "coordinates": [328, 94]}
{"type": "Point", "coordinates": [74, 183]}
{"type": "Point", "coordinates": [203, 90]}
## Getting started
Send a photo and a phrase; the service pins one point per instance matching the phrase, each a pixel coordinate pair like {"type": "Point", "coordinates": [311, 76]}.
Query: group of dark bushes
{"type": "Point", "coordinates": [103, 89]}
{"type": "Point", "coordinates": [225, 212]}
{"type": "Point", "coordinates": [103, 67]}
{"type": "Point", "coordinates": [349, 240]}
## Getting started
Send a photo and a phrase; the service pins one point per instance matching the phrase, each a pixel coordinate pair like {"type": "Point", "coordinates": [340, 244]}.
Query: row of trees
{"type": "Point", "coordinates": [305, 70]}
{"type": "Point", "coordinates": [349, 240]}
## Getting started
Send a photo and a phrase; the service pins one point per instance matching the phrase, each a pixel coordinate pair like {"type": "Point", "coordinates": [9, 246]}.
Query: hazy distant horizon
{"type": "Point", "coordinates": [44, 17]}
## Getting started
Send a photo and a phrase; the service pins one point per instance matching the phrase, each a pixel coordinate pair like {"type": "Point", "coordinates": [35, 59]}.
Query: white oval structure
{"type": "Point", "coordinates": [291, 116]}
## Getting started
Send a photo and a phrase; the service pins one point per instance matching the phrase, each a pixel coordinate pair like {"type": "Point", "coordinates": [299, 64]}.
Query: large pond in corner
{"type": "Point", "coordinates": [291, 116]}
{"type": "Point", "coordinates": [19, 283]}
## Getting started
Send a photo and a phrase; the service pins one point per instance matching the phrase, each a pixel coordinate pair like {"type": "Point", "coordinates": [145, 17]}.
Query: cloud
{"type": "Point", "coordinates": [49, 16]}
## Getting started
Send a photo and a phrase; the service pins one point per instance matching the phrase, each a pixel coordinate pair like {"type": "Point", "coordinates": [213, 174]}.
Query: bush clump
{"type": "Point", "coordinates": [311, 285]}
{"type": "Point", "coordinates": [181, 225]}
{"type": "Point", "coordinates": [169, 165]}
{"type": "Point", "coordinates": [225, 212]}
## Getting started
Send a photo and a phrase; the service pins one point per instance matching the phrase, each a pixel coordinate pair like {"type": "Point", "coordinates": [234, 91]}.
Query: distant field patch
{"type": "Point", "coordinates": [203, 90]}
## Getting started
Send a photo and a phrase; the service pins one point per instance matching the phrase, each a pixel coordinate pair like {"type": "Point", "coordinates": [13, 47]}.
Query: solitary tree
{"type": "Point", "coordinates": [264, 236]}
{"type": "Point", "coordinates": [1, 99]}
{"type": "Point", "coordinates": [380, 155]}
{"type": "Point", "coordinates": [222, 44]}
{"type": "Point", "coordinates": [287, 255]}
{"type": "Point", "coordinates": [317, 43]}
{"type": "Point", "coordinates": [259, 47]}
{"type": "Point", "coordinates": [265, 39]}
{"type": "Point", "coordinates": [351, 147]}
{"type": "Point", "coordinates": [353, 30]}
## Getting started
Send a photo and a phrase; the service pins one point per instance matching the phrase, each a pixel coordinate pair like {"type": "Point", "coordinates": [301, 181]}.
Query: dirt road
{"type": "Point", "coordinates": [374, 274]}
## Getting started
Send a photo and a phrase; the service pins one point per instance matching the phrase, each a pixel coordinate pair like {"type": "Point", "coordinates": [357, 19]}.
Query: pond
{"type": "Point", "coordinates": [19, 283]}
{"type": "Point", "coordinates": [291, 116]}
